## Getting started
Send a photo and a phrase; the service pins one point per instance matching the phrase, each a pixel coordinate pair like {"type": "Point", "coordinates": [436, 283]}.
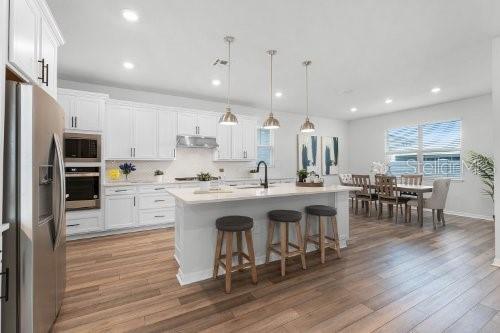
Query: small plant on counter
{"type": "Point", "coordinates": [127, 169]}
{"type": "Point", "coordinates": [204, 176]}
{"type": "Point", "coordinates": [158, 173]}
{"type": "Point", "coordinates": [302, 174]}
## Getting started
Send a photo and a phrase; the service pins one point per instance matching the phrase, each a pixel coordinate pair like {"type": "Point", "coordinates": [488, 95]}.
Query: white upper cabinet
{"type": "Point", "coordinates": [197, 123]}
{"type": "Point", "coordinates": [207, 125]}
{"type": "Point", "coordinates": [145, 133]}
{"type": "Point", "coordinates": [139, 131]}
{"type": "Point", "coordinates": [33, 42]}
{"type": "Point", "coordinates": [238, 142]}
{"type": "Point", "coordinates": [48, 56]}
{"type": "Point", "coordinates": [224, 139]}
{"type": "Point", "coordinates": [23, 37]}
{"type": "Point", "coordinates": [249, 129]}
{"type": "Point", "coordinates": [84, 110]}
{"type": "Point", "coordinates": [119, 131]}
{"type": "Point", "coordinates": [167, 134]}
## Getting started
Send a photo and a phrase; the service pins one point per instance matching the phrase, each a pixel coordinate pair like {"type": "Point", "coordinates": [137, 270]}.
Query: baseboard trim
{"type": "Point", "coordinates": [472, 216]}
{"type": "Point", "coordinates": [496, 262]}
{"type": "Point", "coordinates": [117, 231]}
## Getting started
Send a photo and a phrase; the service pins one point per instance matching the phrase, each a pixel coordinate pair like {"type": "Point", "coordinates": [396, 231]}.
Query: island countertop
{"type": "Point", "coordinates": [187, 195]}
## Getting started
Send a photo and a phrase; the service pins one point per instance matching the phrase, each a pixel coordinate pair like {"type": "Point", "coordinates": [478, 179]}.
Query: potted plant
{"type": "Point", "coordinates": [483, 166]}
{"type": "Point", "coordinates": [302, 174]}
{"type": "Point", "coordinates": [158, 176]}
{"type": "Point", "coordinates": [254, 174]}
{"type": "Point", "coordinates": [204, 178]}
{"type": "Point", "coordinates": [127, 169]}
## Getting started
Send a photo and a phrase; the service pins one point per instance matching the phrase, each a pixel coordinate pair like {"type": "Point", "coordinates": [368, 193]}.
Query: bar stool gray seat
{"type": "Point", "coordinates": [283, 218]}
{"type": "Point", "coordinates": [226, 227]}
{"type": "Point", "coordinates": [321, 240]}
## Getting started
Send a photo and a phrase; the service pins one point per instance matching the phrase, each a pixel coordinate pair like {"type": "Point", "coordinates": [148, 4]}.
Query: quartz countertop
{"type": "Point", "coordinates": [179, 182]}
{"type": "Point", "coordinates": [188, 196]}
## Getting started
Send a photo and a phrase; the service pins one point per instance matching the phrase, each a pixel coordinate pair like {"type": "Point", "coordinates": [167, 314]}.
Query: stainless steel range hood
{"type": "Point", "coordinates": [186, 141]}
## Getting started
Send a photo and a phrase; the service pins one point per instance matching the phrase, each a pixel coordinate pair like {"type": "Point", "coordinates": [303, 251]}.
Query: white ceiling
{"type": "Point", "coordinates": [362, 51]}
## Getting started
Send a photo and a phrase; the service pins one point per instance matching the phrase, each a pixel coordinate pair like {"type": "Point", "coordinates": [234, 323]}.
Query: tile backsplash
{"type": "Point", "coordinates": [189, 162]}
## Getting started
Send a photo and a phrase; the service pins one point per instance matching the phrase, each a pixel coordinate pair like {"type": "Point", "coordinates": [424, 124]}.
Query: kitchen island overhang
{"type": "Point", "coordinates": [195, 232]}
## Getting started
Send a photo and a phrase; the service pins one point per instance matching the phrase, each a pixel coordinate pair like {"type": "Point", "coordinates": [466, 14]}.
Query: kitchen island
{"type": "Point", "coordinates": [195, 232]}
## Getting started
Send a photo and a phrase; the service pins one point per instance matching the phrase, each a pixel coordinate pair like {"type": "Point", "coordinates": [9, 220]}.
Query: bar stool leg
{"type": "Point", "coordinates": [300, 243]}
{"type": "Point", "coordinates": [321, 239]}
{"type": "Point", "coordinates": [270, 235]}
{"type": "Point", "coordinates": [218, 249]}
{"type": "Point", "coordinates": [251, 254]}
{"type": "Point", "coordinates": [307, 233]}
{"type": "Point", "coordinates": [240, 249]}
{"type": "Point", "coordinates": [283, 247]}
{"type": "Point", "coordinates": [229, 260]}
{"type": "Point", "coordinates": [335, 230]}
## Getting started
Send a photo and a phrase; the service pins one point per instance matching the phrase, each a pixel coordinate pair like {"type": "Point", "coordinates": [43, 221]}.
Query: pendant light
{"type": "Point", "coordinates": [228, 118]}
{"type": "Point", "coordinates": [307, 126]}
{"type": "Point", "coordinates": [271, 122]}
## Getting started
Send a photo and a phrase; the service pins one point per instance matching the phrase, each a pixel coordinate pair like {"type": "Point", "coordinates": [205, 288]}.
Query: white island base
{"type": "Point", "coordinates": [195, 232]}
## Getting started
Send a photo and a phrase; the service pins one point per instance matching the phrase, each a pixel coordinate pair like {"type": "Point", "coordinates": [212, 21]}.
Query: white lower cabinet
{"type": "Point", "coordinates": [120, 211]}
{"type": "Point", "coordinates": [160, 216]}
{"type": "Point", "coordinates": [81, 222]}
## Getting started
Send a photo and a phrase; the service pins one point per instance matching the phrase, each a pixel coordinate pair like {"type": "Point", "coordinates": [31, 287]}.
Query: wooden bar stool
{"type": "Point", "coordinates": [226, 226]}
{"type": "Point", "coordinates": [283, 218]}
{"type": "Point", "coordinates": [322, 240]}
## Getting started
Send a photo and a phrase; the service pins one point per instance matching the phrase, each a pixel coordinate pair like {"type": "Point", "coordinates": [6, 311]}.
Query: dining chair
{"type": "Point", "coordinates": [437, 201]}
{"type": "Point", "coordinates": [346, 180]}
{"type": "Point", "coordinates": [388, 194]}
{"type": "Point", "coordinates": [366, 194]}
{"type": "Point", "coordinates": [410, 179]}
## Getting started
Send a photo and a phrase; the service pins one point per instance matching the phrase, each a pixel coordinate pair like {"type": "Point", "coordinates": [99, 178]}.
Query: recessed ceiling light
{"type": "Point", "coordinates": [128, 65]}
{"type": "Point", "coordinates": [130, 15]}
{"type": "Point", "coordinates": [278, 94]}
{"type": "Point", "coordinates": [216, 82]}
{"type": "Point", "coordinates": [354, 109]}
{"type": "Point", "coordinates": [388, 100]}
{"type": "Point", "coordinates": [436, 90]}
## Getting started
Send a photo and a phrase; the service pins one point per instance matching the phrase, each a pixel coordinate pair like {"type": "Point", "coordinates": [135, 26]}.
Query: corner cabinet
{"type": "Point", "coordinates": [139, 131]}
{"type": "Point", "coordinates": [84, 111]}
{"type": "Point", "coordinates": [197, 123]}
{"type": "Point", "coordinates": [34, 39]}
{"type": "Point", "coordinates": [238, 142]}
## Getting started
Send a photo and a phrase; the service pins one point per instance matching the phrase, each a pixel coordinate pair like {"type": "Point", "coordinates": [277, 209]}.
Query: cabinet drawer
{"type": "Point", "coordinates": [159, 216]}
{"type": "Point", "coordinates": [120, 190]}
{"type": "Point", "coordinates": [151, 201]}
{"type": "Point", "coordinates": [83, 225]}
{"type": "Point", "coordinates": [160, 188]}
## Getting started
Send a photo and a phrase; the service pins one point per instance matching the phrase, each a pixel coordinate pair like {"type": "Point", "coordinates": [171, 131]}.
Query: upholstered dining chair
{"type": "Point", "coordinates": [387, 189]}
{"type": "Point", "coordinates": [366, 195]}
{"type": "Point", "coordinates": [437, 201]}
{"type": "Point", "coordinates": [346, 180]}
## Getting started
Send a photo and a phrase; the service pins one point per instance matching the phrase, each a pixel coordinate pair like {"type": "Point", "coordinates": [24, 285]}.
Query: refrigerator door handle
{"type": "Point", "coordinates": [62, 190]}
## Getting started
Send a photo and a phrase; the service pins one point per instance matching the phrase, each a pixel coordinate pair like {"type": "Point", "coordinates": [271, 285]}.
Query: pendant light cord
{"type": "Point", "coordinates": [228, 71]}
{"type": "Point", "coordinates": [307, 92]}
{"type": "Point", "coordinates": [271, 92]}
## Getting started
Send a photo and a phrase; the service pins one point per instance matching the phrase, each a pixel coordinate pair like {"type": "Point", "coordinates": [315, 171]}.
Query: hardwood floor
{"type": "Point", "coordinates": [391, 278]}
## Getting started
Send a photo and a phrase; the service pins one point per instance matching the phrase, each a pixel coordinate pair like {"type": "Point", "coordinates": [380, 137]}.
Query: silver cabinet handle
{"type": "Point", "coordinates": [158, 216]}
{"type": "Point", "coordinates": [120, 191]}
{"type": "Point", "coordinates": [174, 152]}
{"type": "Point", "coordinates": [134, 201]}
{"type": "Point", "coordinates": [73, 225]}
{"type": "Point", "coordinates": [159, 188]}
{"type": "Point", "coordinates": [159, 200]}
{"type": "Point", "coordinates": [76, 121]}
{"type": "Point", "coordinates": [131, 154]}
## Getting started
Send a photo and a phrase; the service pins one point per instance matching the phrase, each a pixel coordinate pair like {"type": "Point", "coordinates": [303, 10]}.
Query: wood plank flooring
{"type": "Point", "coordinates": [391, 278]}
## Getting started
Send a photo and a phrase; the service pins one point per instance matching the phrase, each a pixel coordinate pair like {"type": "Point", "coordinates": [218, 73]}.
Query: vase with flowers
{"type": "Point", "coordinates": [127, 168]}
{"type": "Point", "coordinates": [204, 179]}
{"type": "Point", "coordinates": [158, 176]}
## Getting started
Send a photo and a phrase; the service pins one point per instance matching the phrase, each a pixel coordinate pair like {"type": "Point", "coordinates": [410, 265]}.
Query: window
{"type": "Point", "coordinates": [432, 149]}
{"type": "Point", "coordinates": [265, 146]}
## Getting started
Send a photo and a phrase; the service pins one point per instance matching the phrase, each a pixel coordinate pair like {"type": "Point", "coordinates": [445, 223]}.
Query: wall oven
{"type": "Point", "coordinates": [82, 147]}
{"type": "Point", "coordinates": [82, 188]}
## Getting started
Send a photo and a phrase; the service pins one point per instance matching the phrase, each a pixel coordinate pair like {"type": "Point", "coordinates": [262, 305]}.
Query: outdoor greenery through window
{"type": "Point", "coordinates": [433, 149]}
{"type": "Point", "coordinates": [265, 146]}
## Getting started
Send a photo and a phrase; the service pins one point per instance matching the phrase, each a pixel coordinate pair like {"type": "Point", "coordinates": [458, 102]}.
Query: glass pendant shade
{"type": "Point", "coordinates": [307, 126]}
{"type": "Point", "coordinates": [228, 118]}
{"type": "Point", "coordinates": [271, 122]}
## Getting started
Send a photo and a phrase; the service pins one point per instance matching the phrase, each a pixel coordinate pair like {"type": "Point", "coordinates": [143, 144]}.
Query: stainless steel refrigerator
{"type": "Point", "coordinates": [34, 247]}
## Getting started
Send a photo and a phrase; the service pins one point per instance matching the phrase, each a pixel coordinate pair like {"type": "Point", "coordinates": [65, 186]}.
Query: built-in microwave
{"type": "Point", "coordinates": [82, 147]}
{"type": "Point", "coordinates": [82, 188]}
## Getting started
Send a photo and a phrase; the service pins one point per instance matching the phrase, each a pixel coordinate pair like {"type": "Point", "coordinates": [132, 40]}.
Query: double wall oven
{"type": "Point", "coordinates": [82, 155]}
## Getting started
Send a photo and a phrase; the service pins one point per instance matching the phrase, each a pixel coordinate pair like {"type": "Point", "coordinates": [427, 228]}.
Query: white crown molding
{"type": "Point", "coordinates": [47, 15]}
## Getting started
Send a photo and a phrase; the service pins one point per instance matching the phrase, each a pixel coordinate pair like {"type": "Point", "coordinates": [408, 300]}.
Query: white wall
{"type": "Point", "coordinates": [496, 129]}
{"type": "Point", "coordinates": [367, 139]}
{"type": "Point", "coordinates": [190, 162]}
